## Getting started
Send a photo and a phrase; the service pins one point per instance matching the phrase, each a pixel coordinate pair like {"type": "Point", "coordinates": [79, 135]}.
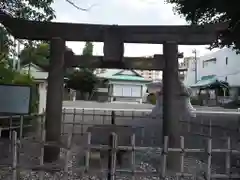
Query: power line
{"type": "Point", "coordinates": [80, 8]}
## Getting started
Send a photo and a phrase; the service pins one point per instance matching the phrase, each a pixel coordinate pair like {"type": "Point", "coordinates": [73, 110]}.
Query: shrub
{"type": "Point", "coordinates": [195, 101]}
{"type": "Point", "coordinates": [151, 98]}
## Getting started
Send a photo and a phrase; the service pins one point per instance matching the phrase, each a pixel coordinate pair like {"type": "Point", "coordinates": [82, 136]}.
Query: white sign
{"type": "Point", "coordinates": [15, 99]}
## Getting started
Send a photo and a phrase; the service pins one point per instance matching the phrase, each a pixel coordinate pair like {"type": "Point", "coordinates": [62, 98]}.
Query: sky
{"type": "Point", "coordinates": [123, 12]}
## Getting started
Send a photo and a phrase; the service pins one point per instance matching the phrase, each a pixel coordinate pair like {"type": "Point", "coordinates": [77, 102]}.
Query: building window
{"type": "Point", "coordinates": [209, 61]}
{"type": "Point", "coordinates": [226, 60]}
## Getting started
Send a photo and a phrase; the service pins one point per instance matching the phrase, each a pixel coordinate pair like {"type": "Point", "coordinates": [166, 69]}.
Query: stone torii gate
{"type": "Point", "coordinates": [114, 38]}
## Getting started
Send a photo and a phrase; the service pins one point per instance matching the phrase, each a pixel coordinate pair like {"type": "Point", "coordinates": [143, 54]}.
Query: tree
{"type": "Point", "coordinates": [82, 80]}
{"type": "Point", "coordinates": [88, 49]}
{"type": "Point", "coordinates": [213, 11]}
{"type": "Point", "coordinates": [38, 55]}
{"type": "Point", "coordinates": [4, 43]}
{"type": "Point", "coordinates": [40, 10]}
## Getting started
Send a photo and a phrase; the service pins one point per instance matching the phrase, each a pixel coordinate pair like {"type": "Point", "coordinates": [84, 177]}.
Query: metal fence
{"type": "Point", "coordinates": [78, 139]}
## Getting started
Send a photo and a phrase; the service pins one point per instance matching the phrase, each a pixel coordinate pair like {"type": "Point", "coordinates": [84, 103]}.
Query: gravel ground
{"type": "Point", "coordinates": [193, 166]}
{"type": "Point", "coordinates": [145, 162]}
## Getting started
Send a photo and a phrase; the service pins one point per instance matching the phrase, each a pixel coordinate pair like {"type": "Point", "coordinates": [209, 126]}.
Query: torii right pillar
{"type": "Point", "coordinates": [170, 105]}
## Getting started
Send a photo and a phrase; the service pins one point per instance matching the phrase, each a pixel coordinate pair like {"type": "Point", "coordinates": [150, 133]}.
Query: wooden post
{"type": "Point", "coordinates": [170, 107]}
{"type": "Point", "coordinates": [54, 98]}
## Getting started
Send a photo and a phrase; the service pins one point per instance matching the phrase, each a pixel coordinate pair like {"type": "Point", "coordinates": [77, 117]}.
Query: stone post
{"type": "Point", "coordinates": [170, 107]}
{"type": "Point", "coordinates": [113, 48]}
{"type": "Point", "coordinates": [54, 98]}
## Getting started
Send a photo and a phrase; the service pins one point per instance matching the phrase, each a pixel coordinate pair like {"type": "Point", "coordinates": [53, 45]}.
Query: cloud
{"type": "Point", "coordinates": [118, 12]}
{"type": "Point", "coordinates": [123, 12]}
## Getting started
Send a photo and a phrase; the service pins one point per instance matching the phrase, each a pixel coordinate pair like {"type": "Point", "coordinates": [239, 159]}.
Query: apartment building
{"type": "Point", "coordinates": [153, 75]}
{"type": "Point", "coordinates": [223, 65]}
{"type": "Point", "coordinates": [99, 71]}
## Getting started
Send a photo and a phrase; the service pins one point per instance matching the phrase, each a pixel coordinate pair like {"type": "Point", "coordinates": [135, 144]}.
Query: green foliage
{"type": "Point", "coordinates": [5, 43]}
{"type": "Point", "coordinates": [83, 80]}
{"type": "Point", "coordinates": [213, 11]}
{"type": "Point", "coordinates": [39, 10]}
{"type": "Point", "coordinates": [38, 55]}
{"type": "Point", "coordinates": [151, 98]}
{"type": "Point", "coordinates": [6, 74]}
{"type": "Point", "coordinates": [88, 49]}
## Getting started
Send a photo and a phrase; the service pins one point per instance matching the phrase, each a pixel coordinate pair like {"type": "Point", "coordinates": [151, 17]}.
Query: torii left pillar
{"type": "Point", "coordinates": [171, 108]}
{"type": "Point", "coordinates": [54, 98]}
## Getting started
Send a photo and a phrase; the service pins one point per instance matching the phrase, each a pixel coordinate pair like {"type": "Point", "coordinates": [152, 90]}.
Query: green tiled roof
{"type": "Point", "coordinates": [211, 82]}
{"type": "Point", "coordinates": [205, 81]}
{"type": "Point", "coordinates": [128, 78]}
{"type": "Point", "coordinates": [114, 75]}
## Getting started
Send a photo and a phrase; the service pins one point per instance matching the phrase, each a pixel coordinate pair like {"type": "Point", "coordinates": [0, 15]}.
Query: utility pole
{"type": "Point", "coordinates": [195, 63]}
{"type": "Point", "coordinates": [18, 54]}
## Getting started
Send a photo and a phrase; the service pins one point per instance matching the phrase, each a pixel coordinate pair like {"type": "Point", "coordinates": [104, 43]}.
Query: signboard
{"type": "Point", "coordinates": [15, 99]}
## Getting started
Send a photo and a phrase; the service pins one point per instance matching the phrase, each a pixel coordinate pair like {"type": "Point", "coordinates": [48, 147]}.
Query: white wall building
{"type": "Point", "coordinates": [125, 85]}
{"type": "Point", "coordinates": [224, 64]}
{"type": "Point", "coordinates": [40, 76]}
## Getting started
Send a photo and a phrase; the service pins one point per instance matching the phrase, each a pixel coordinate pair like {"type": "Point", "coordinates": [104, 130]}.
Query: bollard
{"type": "Point", "coordinates": [113, 115]}
{"type": "Point", "coordinates": [238, 110]}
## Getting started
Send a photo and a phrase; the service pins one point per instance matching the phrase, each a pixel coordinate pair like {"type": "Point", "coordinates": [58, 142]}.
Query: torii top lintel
{"type": "Point", "coordinates": [183, 35]}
